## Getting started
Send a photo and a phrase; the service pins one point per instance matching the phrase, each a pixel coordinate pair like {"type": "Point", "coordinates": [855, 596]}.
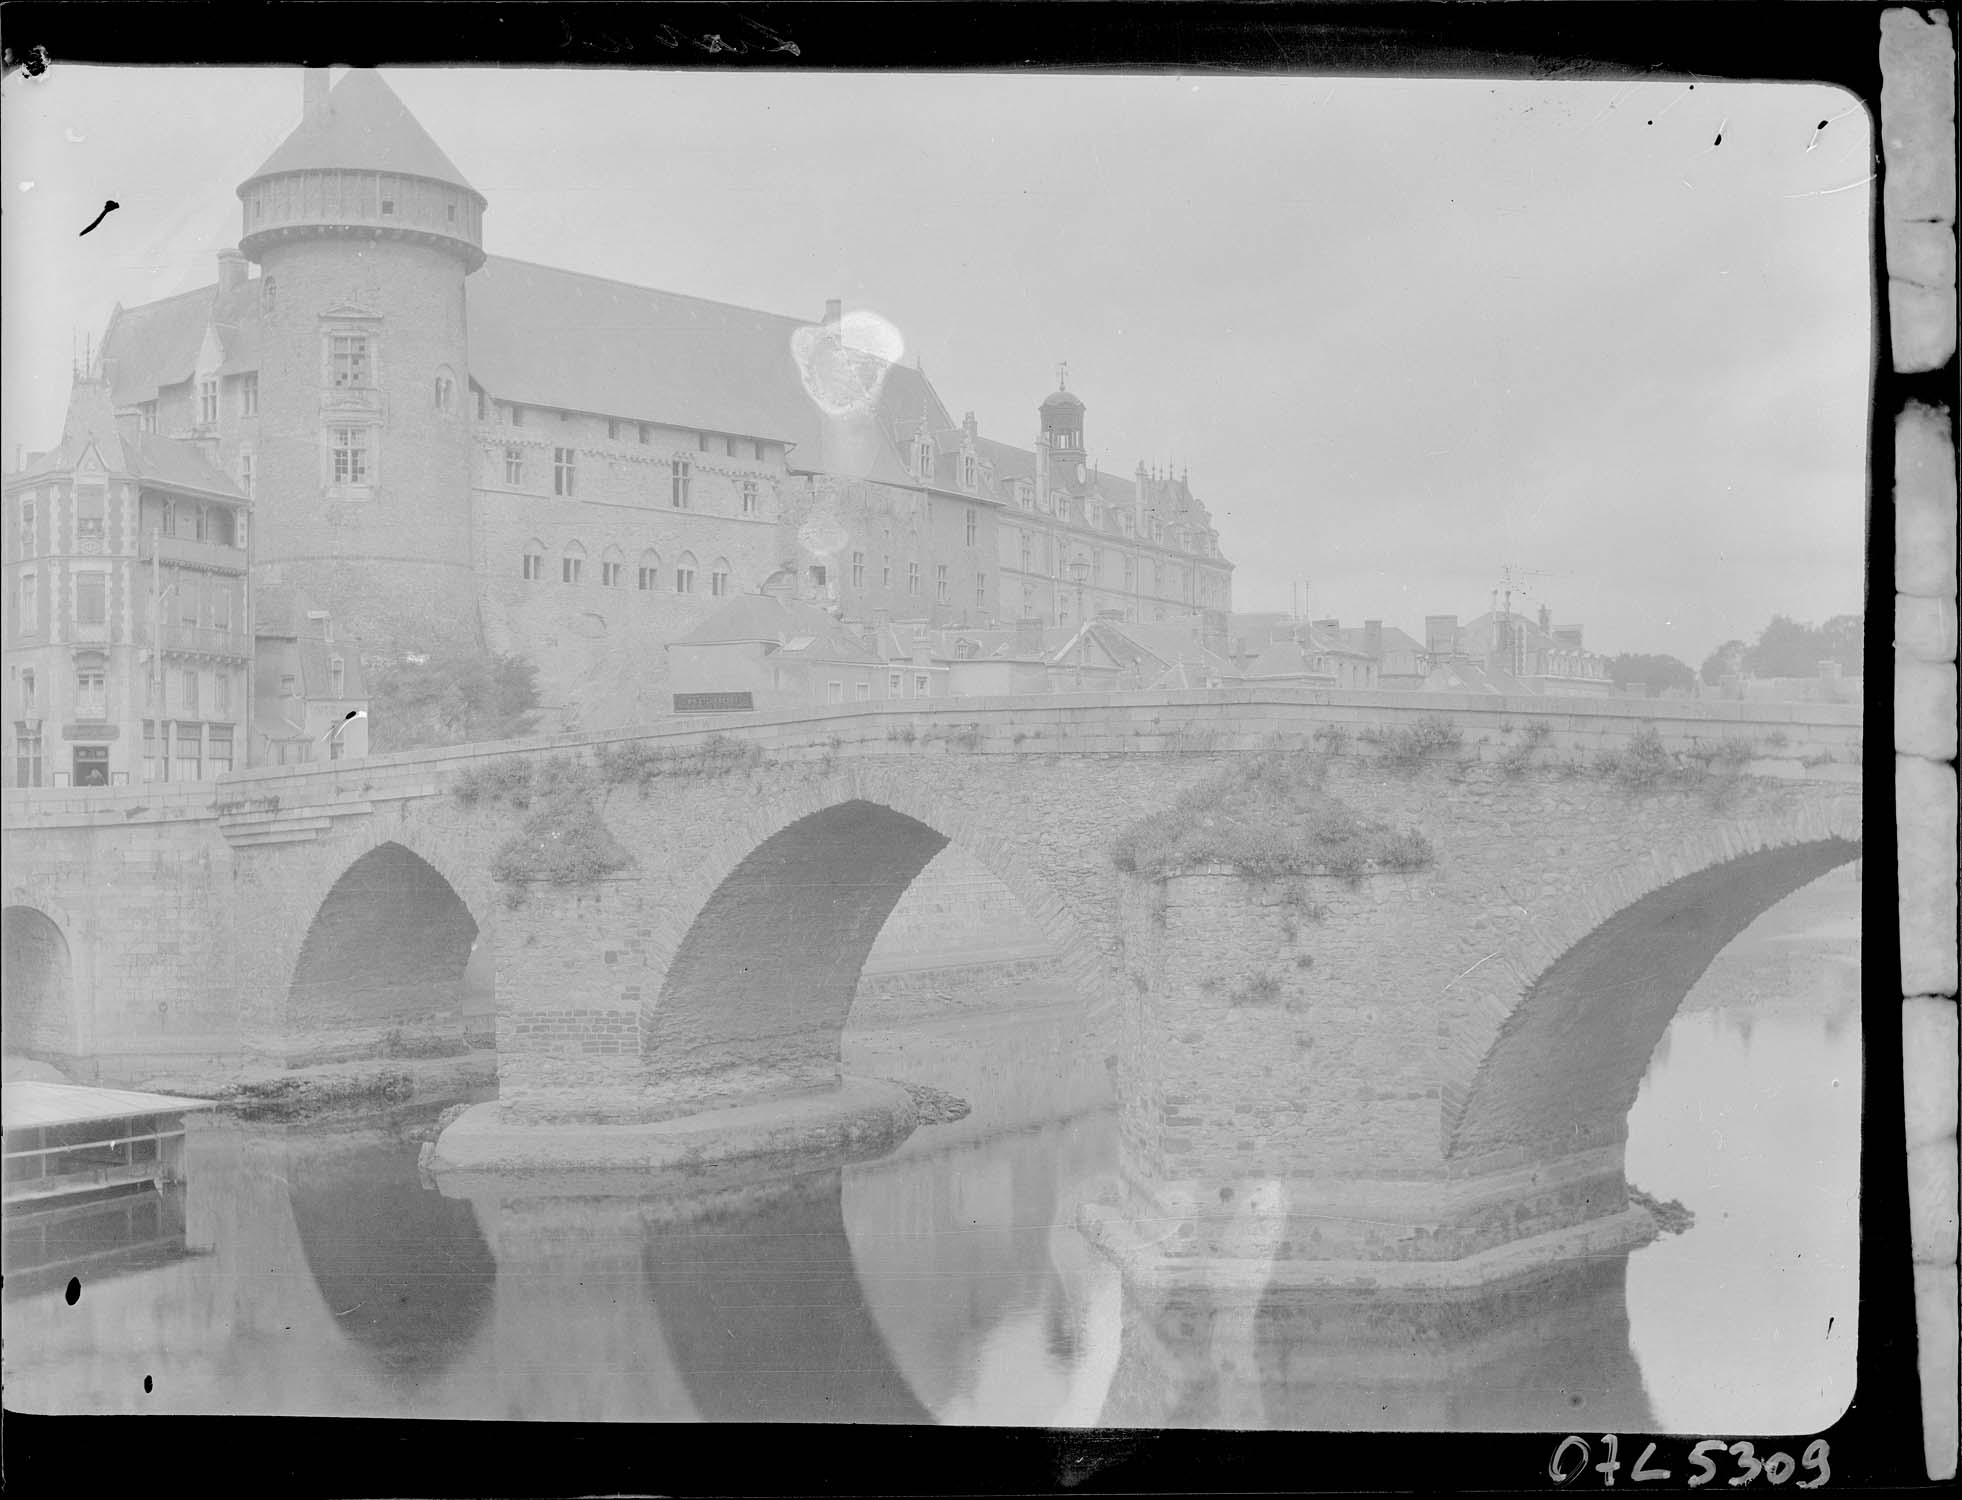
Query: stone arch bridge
{"type": "Point", "coordinates": [1432, 1065]}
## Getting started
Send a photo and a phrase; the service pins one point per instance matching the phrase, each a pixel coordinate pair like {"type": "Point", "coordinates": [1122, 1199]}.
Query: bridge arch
{"type": "Point", "coordinates": [387, 943]}
{"type": "Point", "coordinates": [39, 1012]}
{"type": "Point", "coordinates": [784, 910]}
{"type": "Point", "coordinates": [1551, 1043]}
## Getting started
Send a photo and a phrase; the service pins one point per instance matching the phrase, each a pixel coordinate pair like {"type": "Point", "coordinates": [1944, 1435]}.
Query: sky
{"type": "Point", "coordinates": [1402, 334]}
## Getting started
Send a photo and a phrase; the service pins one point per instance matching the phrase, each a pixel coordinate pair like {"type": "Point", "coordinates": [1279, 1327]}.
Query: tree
{"type": "Point", "coordinates": [1651, 675]}
{"type": "Point", "coordinates": [1724, 661]}
{"type": "Point", "coordinates": [456, 698]}
{"type": "Point", "coordinates": [1784, 648]}
{"type": "Point", "coordinates": [1843, 639]}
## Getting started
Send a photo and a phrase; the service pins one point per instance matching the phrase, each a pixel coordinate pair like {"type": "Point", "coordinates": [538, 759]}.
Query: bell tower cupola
{"type": "Point", "coordinates": [1061, 416]}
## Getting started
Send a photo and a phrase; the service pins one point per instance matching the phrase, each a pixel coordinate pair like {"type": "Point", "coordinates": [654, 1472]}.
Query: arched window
{"type": "Point", "coordinates": [534, 561]}
{"type": "Point", "coordinates": [445, 393]}
{"type": "Point", "coordinates": [649, 578]}
{"type": "Point", "coordinates": [684, 573]}
{"type": "Point", "coordinates": [613, 568]}
{"type": "Point", "coordinates": [719, 577]}
{"type": "Point", "coordinates": [572, 563]}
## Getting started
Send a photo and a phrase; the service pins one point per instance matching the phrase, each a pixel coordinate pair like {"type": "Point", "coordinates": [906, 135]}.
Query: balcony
{"type": "Point", "coordinates": [206, 640]}
{"type": "Point", "coordinates": [179, 549]}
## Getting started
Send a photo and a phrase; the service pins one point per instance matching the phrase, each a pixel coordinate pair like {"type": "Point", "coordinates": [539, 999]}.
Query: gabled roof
{"type": "Point", "coordinates": [178, 464]}
{"type": "Point", "coordinates": [362, 126]}
{"type": "Point", "coordinates": [1283, 658]}
{"type": "Point", "coordinates": [91, 425]}
{"type": "Point", "coordinates": [1472, 677]}
{"type": "Point", "coordinates": [798, 631]}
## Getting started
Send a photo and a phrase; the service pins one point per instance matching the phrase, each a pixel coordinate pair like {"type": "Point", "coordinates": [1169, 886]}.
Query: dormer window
{"type": "Point", "coordinates": [208, 400]}
{"type": "Point", "coordinates": [970, 471]}
{"type": "Point", "coordinates": [923, 458]}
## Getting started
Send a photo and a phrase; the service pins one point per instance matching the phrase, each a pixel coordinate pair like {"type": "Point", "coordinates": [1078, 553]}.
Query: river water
{"type": "Point", "coordinates": [311, 1270]}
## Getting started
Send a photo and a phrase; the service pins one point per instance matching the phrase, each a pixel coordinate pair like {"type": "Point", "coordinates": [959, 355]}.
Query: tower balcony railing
{"type": "Point", "coordinates": [206, 640]}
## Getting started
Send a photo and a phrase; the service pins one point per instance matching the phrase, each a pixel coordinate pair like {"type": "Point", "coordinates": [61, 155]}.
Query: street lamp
{"type": "Point", "coordinates": [1079, 575]}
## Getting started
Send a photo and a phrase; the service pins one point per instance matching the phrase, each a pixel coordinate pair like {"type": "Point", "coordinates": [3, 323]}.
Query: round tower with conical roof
{"type": "Point", "coordinates": [364, 232]}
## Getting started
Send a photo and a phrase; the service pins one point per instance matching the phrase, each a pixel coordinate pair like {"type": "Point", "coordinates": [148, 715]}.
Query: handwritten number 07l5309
{"type": "Point", "coordinates": [1574, 1455]}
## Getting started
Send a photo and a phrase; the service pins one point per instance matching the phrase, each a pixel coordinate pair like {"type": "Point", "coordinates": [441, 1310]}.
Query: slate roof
{"type": "Point", "coordinates": [363, 126]}
{"type": "Point", "coordinates": [91, 422]}
{"type": "Point", "coordinates": [765, 619]}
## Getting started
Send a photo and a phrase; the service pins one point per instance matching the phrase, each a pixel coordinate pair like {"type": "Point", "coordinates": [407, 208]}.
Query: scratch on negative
{"type": "Point", "coordinates": [1842, 188]}
{"type": "Point", "coordinates": [1485, 960]}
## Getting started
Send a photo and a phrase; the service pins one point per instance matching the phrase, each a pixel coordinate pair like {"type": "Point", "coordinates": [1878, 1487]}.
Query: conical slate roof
{"type": "Point", "coordinates": [362, 126]}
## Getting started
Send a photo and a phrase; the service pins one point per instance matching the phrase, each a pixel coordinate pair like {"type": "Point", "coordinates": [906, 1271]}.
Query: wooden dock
{"type": "Point", "coordinates": [62, 1141]}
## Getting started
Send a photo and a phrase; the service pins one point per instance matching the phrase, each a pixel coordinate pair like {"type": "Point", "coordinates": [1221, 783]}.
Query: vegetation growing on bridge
{"type": "Point", "coordinates": [565, 841]}
{"type": "Point", "coordinates": [1409, 746]}
{"type": "Point", "coordinates": [1268, 815]}
{"type": "Point", "coordinates": [456, 699]}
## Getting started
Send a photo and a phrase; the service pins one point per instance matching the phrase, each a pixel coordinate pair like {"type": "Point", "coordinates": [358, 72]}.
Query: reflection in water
{"type": "Point", "coordinates": [764, 1316]}
{"type": "Point", "coordinates": [111, 1237]}
{"type": "Point", "coordinates": [947, 1282]}
{"type": "Point", "coordinates": [403, 1270]}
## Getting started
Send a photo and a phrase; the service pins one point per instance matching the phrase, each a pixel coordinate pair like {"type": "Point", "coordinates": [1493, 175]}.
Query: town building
{"type": "Point", "coordinates": [449, 450]}
{"type": "Point", "coordinates": [1505, 652]}
{"type": "Point", "coordinates": [308, 697]}
{"type": "Point", "coordinates": [127, 642]}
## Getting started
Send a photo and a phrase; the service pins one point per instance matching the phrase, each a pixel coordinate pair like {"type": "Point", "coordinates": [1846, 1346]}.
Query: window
{"type": "Point", "coordinates": [1028, 546]}
{"type": "Point", "coordinates": [268, 285]}
{"type": "Point", "coordinates": [153, 767]}
{"type": "Point", "coordinates": [91, 693]}
{"type": "Point", "coordinates": [534, 563]}
{"type": "Point", "coordinates": [973, 526]}
{"type": "Point", "coordinates": [923, 458]}
{"type": "Point", "coordinates": [221, 693]}
{"type": "Point", "coordinates": [684, 574]}
{"type": "Point", "coordinates": [189, 754]}
{"type": "Point", "coordinates": [920, 684]}
{"type": "Point", "coordinates": [817, 576]}
{"type": "Point", "coordinates": [563, 472]}
{"type": "Point", "coordinates": [1130, 572]}
{"type": "Point", "coordinates": [719, 578]}
{"type": "Point", "coordinates": [190, 597]}
{"type": "Point", "coordinates": [834, 692]}
{"type": "Point", "coordinates": [612, 430]}
{"type": "Point", "coordinates": [702, 441]}
{"type": "Point", "coordinates": [350, 450]}
{"type": "Point", "coordinates": [336, 675]}
{"type": "Point", "coordinates": [646, 434]}
{"type": "Point", "coordinates": [208, 400]}
{"type": "Point", "coordinates": [885, 573]}
{"type": "Point", "coordinates": [388, 207]}
{"type": "Point", "coordinates": [220, 749]}
{"type": "Point", "coordinates": [729, 445]}
{"type": "Point", "coordinates": [483, 405]}
{"type": "Point", "coordinates": [336, 748]}
{"type": "Point", "coordinates": [517, 416]}
{"type": "Point", "coordinates": [91, 598]}
{"type": "Point", "coordinates": [350, 359]}
{"type": "Point", "coordinates": [678, 473]}
{"type": "Point", "coordinates": [90, 506]}
{"type": "Point", "coordinates": [610, 573]}
{"type": "Point", "coordinates": [189, 701]}
{"type": "Point", "coordinates": [29, 616]}
{"type": "Point", "coordinates": [147, 416]}
{"type": "Point", "coordinates": [245, 470]}
{"type": "Point", "coordinates": [912, 578]}
{"type": "Point", "coordinates": [221, 605]}
{"type": "Point", "coordinates": [27, 527]}
{"type": "Point", "coordinates": [893, 684]}
{"type": "Point", "coordinates": [759, 451]}
{"type": "Point", "coordinates": [858, 570]}
{"type": "Point", "coordinates": [749, 497]}
{"type": "Point", "coordinates": [650, 572]}
{"type": "Point", "coordinates": [968, 473]}
{"type": "Point", "coordinates": [445, 392]}
{"type": "Point", "coordinates": [940, 582]}
{"type": "Point", "coordinates": [862, 689]}
{"type": "Point", "coordinates": [980, 588]}
{"type": "Point", "coordinates": [27, 755]}
{"type": "Point", "coordinates": [289, 685]}
{"type": "Point", "coordinates": [514, 466]}
{"type": "Point", "coordinates": [27, 694]}
{"type": "Point", "coordinates": [572, 564]}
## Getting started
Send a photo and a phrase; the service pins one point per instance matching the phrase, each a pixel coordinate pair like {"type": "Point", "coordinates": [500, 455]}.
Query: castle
{"type": "Point", "coordinates": [433, 448]}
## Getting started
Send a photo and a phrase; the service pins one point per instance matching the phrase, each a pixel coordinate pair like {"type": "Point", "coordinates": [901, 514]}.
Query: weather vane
{"type": "Point", "coordinates": [1063, 377]}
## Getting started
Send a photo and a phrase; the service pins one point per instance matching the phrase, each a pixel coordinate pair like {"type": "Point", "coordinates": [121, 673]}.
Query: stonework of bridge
{"type": "Point", "coordinates": [1414, 1072]}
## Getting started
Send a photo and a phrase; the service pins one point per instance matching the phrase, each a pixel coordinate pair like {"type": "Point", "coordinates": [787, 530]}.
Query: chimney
{"type": "Point", "coordinates": [313, 91]}
{"type": "Point", "coordinates": [1441, 634]}
{"type": "Point", "coordinates": [1373, 638]}
{"type": "Point", "coordinates": [231, 270]}
{"type": "Point", "coordinates": [970, 427]}
{"type": "Point", "coordinates": [834, 312]}
{"type": "Point", "coordinates": [1028, 637]}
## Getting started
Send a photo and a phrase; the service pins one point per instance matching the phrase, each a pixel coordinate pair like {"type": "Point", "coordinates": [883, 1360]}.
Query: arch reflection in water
{"type": "Point", "coordinates": [404, 1271]}
{"type": "Point", "coordinates": [763, 1314]}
